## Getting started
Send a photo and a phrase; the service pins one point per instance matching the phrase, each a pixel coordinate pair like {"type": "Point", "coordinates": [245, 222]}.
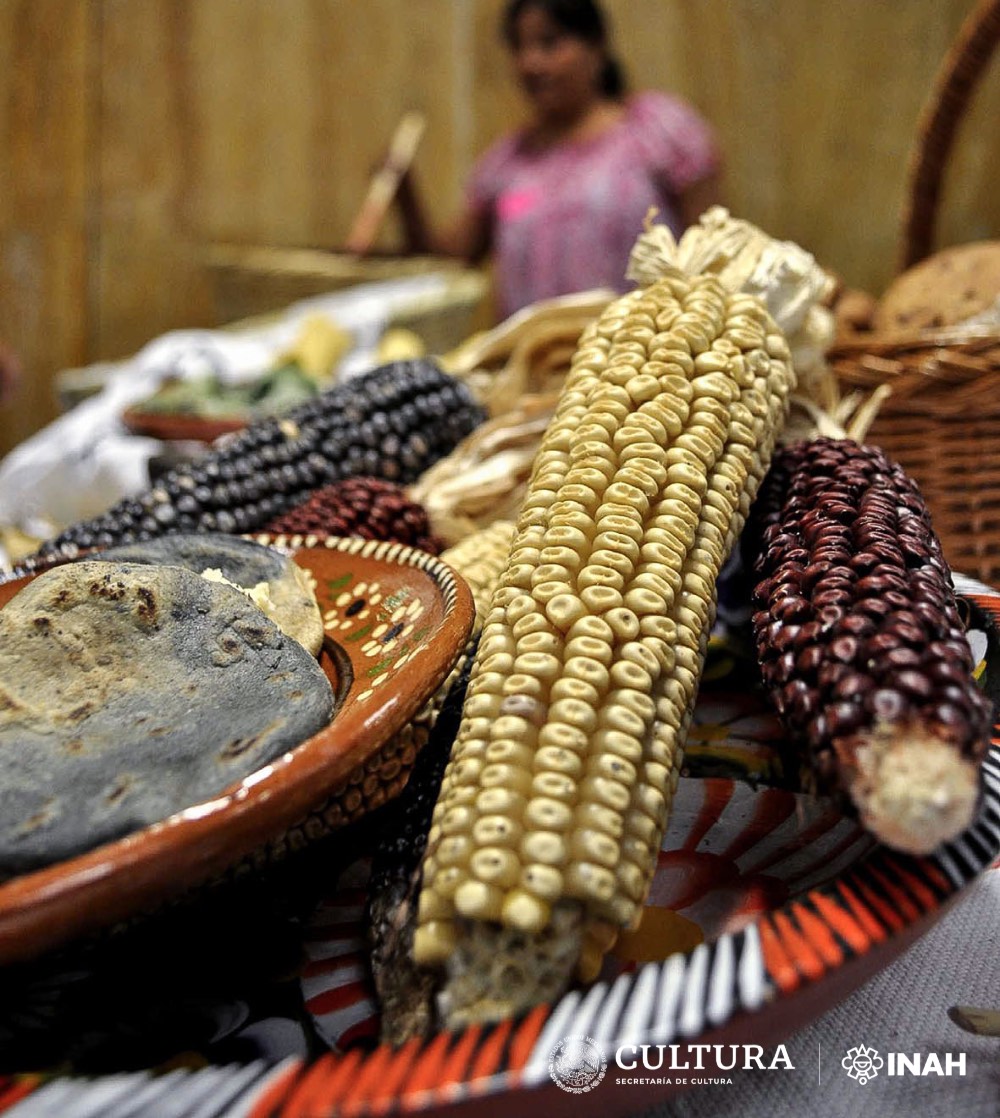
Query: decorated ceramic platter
{"type": "Point", "coordinates": [395, 621]}
{"type": "Point", "coordinates": [768, 906]}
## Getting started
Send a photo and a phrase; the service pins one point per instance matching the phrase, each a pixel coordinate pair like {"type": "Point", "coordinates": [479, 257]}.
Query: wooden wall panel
{"type": "Point", "coordinates": [145, 251]}
{"type": "Point", "coordinates": [970, 206]}
{"type": "Point", "coordinates": [497, 104]}
{"type": "Point", "coordinates": [291, 124]}
{"type": "Point", "coordinates": [815, 106]}
{"type": "Point", "coordinates": [44, 195]}
{"type": "Point", "coordinates": [137, 134]}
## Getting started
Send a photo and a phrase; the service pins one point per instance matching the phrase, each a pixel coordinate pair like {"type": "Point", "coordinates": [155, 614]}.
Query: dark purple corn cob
{"type": "Point", "coordinates": [391, 423]}
{"type": "Point", "coordinates": [860, 641]}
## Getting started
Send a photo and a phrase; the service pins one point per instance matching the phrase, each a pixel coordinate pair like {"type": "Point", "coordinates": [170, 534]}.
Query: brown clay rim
{"type": "Point", "coordinates": [181, 428]}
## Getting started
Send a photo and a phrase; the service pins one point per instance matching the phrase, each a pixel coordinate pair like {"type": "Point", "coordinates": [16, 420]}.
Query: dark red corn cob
{"type": "Point", "coordinates": [360, 506]}
{"type": "Point", "coordinates": [860, 642]}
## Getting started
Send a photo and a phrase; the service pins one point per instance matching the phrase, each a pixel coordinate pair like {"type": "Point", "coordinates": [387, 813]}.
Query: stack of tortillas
{"type": "Point", "coordinates": [132, 690]}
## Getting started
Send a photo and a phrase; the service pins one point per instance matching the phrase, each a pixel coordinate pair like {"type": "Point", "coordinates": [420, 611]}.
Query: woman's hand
{"type": "Point", "coordinates": [698, 197]}
{"type": "Point", "coordinates": [468, 237]}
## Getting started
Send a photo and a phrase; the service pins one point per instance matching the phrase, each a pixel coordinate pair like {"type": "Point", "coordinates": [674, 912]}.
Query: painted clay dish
{"type": "Point", "coordinates": [395, 621]}
{"type": "Point", "coordinates": [180, 428]}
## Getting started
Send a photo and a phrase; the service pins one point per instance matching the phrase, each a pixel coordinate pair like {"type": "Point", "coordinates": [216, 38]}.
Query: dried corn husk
{"type": "Point", "coordinates": [526, 354]}
{"type": "Point", "coordinates": [850, 418]}
{"type": "Point", "coordinates": [485, 478]}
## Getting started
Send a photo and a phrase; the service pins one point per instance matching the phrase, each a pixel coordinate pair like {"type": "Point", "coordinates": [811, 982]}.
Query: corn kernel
{"type": "Point", "coordinates": [541, 665]}
{"type": "Point", "coordinates": [519, 684]}
{"type": "Point", "coordinates": [572, 712]}
{"type": "Point", "coordinates": [476, 900]}
{"type": "Point", "coordinates": [547, 814]}
{"type": "Point", "coordinates": [607, 792]}
{"type": "Point", "coordinates": [545, 847]}
{"type": "Point", "coordinates": [454, 850]}
{"type": "Point", "coordinates": [526, 707]}
{"type": "Point", "coordinates": [526, 911]}
{"type": "Point", "coordinates": [594, 846]}
{"type": "Point", "coordinates": [553, 759]}
{"type": "Point", "coordinates": [432, 906]}
{"type": "Point", "coordinates": [497, 830]}
{"type": "Point", "coordinates": [496, 865]}
{"type": "Point", "coordinates": [505, 752]}
{"type": "Point", "coordinates": [500, 801]}
{"type": "Point", "coordinates": [561, 736]}
{"type": "Point", "coordinates": [626, 746]}
{"type": "Point", "coordinates": [556, 785]}
{"type": "Point", "coordinates": [618, 717]}
{"type": "Point", "coordinates": [434, 941]}
{"type": "Point", "coordinates": [564, 610]}
{"type": "Point", "coordinates": [585, 880]}
{"type": "Point", "coordinates": [569, 688]}
{"type": "Point", "coordinates": [605, 557]}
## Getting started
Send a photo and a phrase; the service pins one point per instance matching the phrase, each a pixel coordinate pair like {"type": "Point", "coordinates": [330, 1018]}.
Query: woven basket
{"type": "Point", "coordinates": [941, 419]}
{"type": "Point", "coordinates": [942, 423]}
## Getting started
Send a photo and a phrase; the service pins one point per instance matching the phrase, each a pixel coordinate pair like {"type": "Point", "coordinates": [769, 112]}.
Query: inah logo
{"type": "Point", "coordinates": [862, 1063]}
{"type": "Point", "coordinates": [577, 1064]}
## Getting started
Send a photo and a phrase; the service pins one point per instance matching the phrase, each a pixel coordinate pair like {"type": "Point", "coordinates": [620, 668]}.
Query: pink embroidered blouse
{"type": "Point", "coordinates": [565, 219]}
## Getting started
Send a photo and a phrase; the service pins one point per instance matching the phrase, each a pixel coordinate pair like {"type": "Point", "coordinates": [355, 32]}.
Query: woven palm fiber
{"type": "Point", "coordinates": [941, 422]}
{"type": "Point", "coordinates": [940, 418]}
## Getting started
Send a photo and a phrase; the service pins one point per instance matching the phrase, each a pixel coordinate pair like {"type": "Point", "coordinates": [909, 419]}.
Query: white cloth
{"type": "Point", "coordinates": [84, 461]}
{"type": "Point", "coordinates": [902, 1009]}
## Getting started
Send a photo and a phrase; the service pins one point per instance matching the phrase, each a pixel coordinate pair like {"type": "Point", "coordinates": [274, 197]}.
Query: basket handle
{"type": "Point", "coordinates": [953, 87]}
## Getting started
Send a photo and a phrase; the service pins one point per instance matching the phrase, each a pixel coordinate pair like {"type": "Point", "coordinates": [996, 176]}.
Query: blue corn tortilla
{"type": "Point", "coordinates": [129, 692]}
{"type": "Point", "coordinates": [245, 563]}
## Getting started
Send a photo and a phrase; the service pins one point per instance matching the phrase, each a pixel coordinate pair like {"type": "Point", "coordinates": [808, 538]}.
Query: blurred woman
{"type": "Point", "coordinates": [560, 201]}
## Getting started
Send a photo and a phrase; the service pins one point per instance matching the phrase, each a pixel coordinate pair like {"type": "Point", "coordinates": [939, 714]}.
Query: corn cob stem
{"type": "Point", "coordinates": [861, 643]}
{"type": "Point", "coordinates": [552, 809]}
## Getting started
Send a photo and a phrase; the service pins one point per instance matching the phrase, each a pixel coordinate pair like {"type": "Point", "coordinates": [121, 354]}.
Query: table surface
{"type": "Point", "coordinates": [218, 981]}
{"type": "Point", "coordinates": [902, 1009]}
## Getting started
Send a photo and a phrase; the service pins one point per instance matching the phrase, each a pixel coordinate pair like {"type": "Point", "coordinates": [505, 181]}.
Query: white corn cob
{"type": "Point", "coordinates": [553, 806]}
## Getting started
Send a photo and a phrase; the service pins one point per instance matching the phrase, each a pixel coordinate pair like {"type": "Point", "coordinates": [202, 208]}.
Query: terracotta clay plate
{"type": "Point", "coordinates": [177, 427]}
{"type": "Point", "coordinates": [767, 908]}
{"type": "Point", "coordinates": [396, 621]}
